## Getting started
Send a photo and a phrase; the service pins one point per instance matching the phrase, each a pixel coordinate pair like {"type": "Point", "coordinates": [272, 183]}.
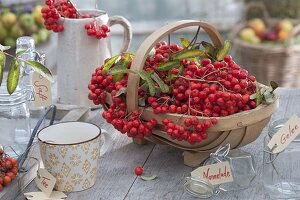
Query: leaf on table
{"type": "Point", "coordinates": [164, 87]}
{"type": "Point", "coordinates": [13, 76]}
{"type": "Point", "coordinates": [109, 63]}
{"type": "Point", "coordinates": [165, 66]}
{"type": "Point", "coordinates": [188, 53]}
{"type": "Point", "coordinates": [148, 178]}
{"type": "Point", "coordinates": [40, 68]}
{"type": "Point", "coordinates": [223, 51]}
{"type": "Point", "coordinates": [2, 65]}
{"type": "Point", "coordinates": [4, 48]}
{"type": "Point", "coordinates": [147, 77]}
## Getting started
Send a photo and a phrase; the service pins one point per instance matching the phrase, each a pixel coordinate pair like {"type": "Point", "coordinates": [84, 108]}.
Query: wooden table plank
{"type": "Point", "coordinates": [116, 179]}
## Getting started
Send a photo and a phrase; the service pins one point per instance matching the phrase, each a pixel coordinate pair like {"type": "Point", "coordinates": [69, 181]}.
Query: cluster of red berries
{"type": "Point", "coordinates": [55, 9]}
{"type": "Point", "coordinates": [193, 131]}
{"type": "Point", "coordinates": [95, 30]}
{"type": "Point", "coordinates": [8, 169]}
{"type": "Point", "coordinates": [205, 88]}
{"type": "Point", "coordinates": [130, 123]}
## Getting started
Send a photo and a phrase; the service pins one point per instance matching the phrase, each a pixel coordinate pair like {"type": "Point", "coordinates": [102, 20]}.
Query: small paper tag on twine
{"type": "Point", "coordinates": [285, 135]}
{"type": "Point", "coordinates": [45, 181]}
{"type": "Point", "coordinates": [42, 88]}
{"type": "Point", "coordinates": [216, 173]}
{"type": "Point", "coordinates": [55, 195]}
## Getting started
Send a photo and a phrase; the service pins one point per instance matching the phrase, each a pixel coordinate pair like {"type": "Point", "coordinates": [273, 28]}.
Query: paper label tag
{"type": "Point", "coordinates": [55, 195]}
{"type": "Point", "coordinates": [42, 88]}
{"type": "Point", "coordinates": [285, 135]}
{"type": "Point", "coordinates": [216, 173]}
{"type": "Point", "coordinates": [45, 181]}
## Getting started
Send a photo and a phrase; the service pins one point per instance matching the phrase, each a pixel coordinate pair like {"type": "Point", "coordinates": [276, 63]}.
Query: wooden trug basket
{"type": "Point", "coordinates": [238, 129]}
{"type": "Point", "coordinates": [277, 62]}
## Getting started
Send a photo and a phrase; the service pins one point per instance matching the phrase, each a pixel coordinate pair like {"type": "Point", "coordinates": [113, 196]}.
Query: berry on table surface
{"type": "Point", "coordinates": [138, 170]}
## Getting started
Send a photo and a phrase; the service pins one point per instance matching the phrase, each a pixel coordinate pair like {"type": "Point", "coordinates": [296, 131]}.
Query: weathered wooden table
{"type": "Point", "coordinates": [117, 181]}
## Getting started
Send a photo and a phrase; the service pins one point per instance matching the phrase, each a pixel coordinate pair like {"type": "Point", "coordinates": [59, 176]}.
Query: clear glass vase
{"type": "Point", "coordinates": [281, 174]}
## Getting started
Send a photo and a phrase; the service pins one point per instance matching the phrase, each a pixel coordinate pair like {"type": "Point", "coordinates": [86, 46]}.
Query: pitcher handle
{"type": "Point", "coordinates": [107, 142]}
{"type": "Point", "coordinates": [127, 36]}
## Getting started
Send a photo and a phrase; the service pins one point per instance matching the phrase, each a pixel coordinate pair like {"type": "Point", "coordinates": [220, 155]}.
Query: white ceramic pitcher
{"type": "Point", "coordinates": [78, 55]}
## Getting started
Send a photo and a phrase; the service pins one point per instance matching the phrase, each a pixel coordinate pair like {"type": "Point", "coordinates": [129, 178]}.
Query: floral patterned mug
{"type": "Point", "coordinates": [70, 152]}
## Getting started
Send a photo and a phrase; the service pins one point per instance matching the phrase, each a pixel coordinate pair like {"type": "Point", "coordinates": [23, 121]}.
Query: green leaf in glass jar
{"type": "Point", "coordinates": [188, 53]}
{"type": "Point", "coordinates": [164, 87]}
{"type": "Point", "coordinates": [165, 66]}
{"type": "Point", "coordinates": [2, 65]}
{"type": "Point", "coordinates": [147, 77]}
{"type": "Point", "coordinates": [223, 51]}
{"type": "Point", "coordinates": [110, 63]}
{"type": "Point", "coordinates": [13, 76]}
{"type": "Point", "coordinates": [40, 68]}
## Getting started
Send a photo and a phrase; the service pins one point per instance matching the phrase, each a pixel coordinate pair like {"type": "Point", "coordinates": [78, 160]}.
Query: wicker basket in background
{"type": "Point", "coordinates": [278, 62]}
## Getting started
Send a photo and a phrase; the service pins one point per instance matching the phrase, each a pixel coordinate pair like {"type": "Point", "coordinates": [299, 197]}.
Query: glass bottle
{"type": "Point", "coordinates": [281, 174]}
{"type": "Point", "coordinates": [14, 120]}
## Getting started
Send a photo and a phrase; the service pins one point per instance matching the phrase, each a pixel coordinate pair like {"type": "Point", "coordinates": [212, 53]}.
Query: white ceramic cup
{"type": "Point", "coordinates": [70, 152]}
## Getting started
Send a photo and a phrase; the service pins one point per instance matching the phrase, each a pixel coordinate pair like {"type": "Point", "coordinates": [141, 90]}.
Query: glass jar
{"type": "Point", "coordinates": [281, 174]}
{"type": "Point", "coordinates": [14, 120]}
{"type": "Point", "coordinates": [242, 167]}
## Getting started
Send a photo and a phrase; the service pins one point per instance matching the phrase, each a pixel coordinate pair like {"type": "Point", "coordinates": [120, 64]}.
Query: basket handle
{"type": "Point", "coordinates": [256, 5]}
{"type": "Point", "coordinates": [149, 43]}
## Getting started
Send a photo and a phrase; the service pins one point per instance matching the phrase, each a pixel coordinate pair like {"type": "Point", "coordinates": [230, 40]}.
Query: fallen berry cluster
{"type": "Point", "coordinates": [8, 169]}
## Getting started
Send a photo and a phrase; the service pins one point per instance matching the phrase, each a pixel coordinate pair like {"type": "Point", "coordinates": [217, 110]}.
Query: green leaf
{"type": "Point", "coordinates": [274, 85]}
{"type": "Point", "coordinates": [13, 76]}
{"type": "Point", "coordinates": [209, 48]}
{"type": "Point", "coordinates": [148, 178]}
{"type": "Point", "coordinates": [4, 48]}
{"type": "Point", "coordinates": [121, 67]}
{"type": "Point", "coordinates": [118, 70]}
{"type": "Point", "coordinates": [168, 65]}
{"type": "Point", "coordinates": [184, 42]}
{"type": "Point", "coordinates": [258, 95]}
{"type": "Point", "coordinates": [223, 51]}
{"type": "Point", "coordinates": [109, 63]}
{"type": "Point", "coordinates": [164, 87]}
{"type": "Point", "coordinates": [147, 77]}
{"type": "Point", "coordinates": [40, 68]}
{"type": "Point", "coordinates": [188, 53]}
{"type": "Point", "coordinates": [2, 65]}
